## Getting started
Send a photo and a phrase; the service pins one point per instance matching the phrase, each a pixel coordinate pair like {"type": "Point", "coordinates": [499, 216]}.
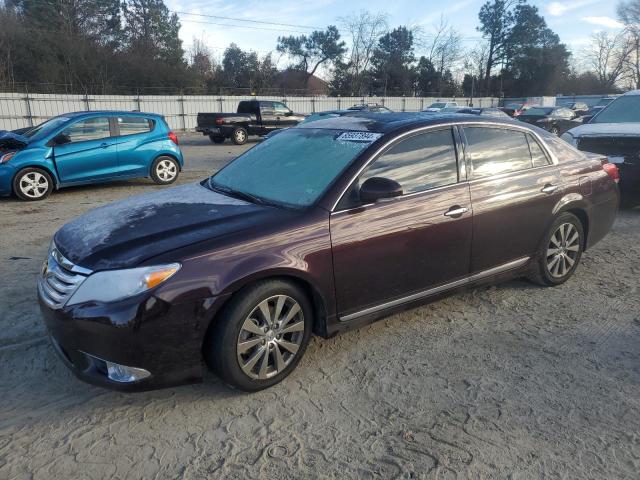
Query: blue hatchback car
{"type": "Point", "coordinates": [88, 147]}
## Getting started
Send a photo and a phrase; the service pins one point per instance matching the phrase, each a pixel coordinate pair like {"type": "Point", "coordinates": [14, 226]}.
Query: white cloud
{"type": "Point", "coordinates": [603, 21]}
{"type": "Point", "coordinates": [557, 9]}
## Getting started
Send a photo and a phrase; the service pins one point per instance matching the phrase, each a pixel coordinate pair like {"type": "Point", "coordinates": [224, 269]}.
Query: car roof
{"type": "Point", "coordinates": [107, 112]}
{"type": "Point", "coordinates": [630, 92]}
{"type": "Point", "coordinates": [390, 122]}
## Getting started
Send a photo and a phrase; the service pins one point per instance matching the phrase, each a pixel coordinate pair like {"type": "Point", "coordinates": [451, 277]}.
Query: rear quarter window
{"type": "Point", "coordinates": [562, 150]}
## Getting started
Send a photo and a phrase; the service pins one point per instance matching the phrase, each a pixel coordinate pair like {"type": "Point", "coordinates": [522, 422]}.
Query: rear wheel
{"type": "Point", "coordinates": [561, 251]}
{"type": "Point", "coordinates": [32, 184]}
{"type": "Point", "coordinates": [215, 139]}
{"type": "Point", "coordinates": [239, 136]}
{"type": "Point", "coordinates": [165, 170]}
{"type": "Point", "coordinates": [555, 130]}
{"type": "Point", "coordinates": [260, 336]}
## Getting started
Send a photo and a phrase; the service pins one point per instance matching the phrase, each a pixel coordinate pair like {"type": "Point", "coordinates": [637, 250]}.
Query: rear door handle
{"type": "Point", "coordinates": [548, 188]}
{"type": "Point", "coordinates": [456, 211]}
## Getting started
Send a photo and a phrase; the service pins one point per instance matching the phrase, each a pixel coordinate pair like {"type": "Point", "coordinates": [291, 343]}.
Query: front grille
{"type": "Point", "coordinates": [56, 282]}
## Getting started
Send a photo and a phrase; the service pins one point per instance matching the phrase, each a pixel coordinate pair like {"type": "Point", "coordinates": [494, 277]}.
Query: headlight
{"type": "Point", "coordinates": [6, 157]}
{"type": "Point", "coordinates": [112, 285]}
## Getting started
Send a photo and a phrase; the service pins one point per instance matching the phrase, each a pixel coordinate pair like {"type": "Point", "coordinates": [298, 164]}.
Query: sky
{"type": "Point", "coordinates": [573, 20]}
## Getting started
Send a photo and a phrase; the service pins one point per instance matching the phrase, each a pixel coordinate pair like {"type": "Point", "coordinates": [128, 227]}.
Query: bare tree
{"type": "Point", "coordinates": [608, 56]}
{"type": "Point", "coordinates": [475, 61]}
{"type": "Point", "coordinates": [629, 15]}
{"type": "Point", "coordinates": [365, 28]}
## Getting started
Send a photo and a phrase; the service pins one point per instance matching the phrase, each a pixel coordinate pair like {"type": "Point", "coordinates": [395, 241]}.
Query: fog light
{"type": "Point", "coordinates": [124, 374]}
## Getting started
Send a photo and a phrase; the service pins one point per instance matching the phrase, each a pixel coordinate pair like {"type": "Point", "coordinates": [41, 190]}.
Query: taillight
{"type": "Point", "coordinates": [219, 121]}
{"type": "Point", "coordinates": [173, 137]}
{"type": "Point", "coordinates": [612, 171]}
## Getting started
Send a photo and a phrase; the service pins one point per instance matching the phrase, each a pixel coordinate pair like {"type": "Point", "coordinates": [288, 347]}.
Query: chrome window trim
{"type": "Point", "coordinates": [432, 291]}
{"type": "Point", "coordinates": [426, 128]}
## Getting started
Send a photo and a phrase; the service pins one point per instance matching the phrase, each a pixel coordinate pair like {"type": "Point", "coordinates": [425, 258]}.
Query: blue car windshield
{"type": "Point", "coordinates": [625, 109]}
{"type": "Point", "coordinates": [293, 168]}
{"type": "Point", "coordinates": [45, 129]}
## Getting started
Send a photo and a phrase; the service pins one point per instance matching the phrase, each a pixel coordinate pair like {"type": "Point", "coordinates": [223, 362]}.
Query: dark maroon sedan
{"type": "Point", "coordinates": [322, 228]}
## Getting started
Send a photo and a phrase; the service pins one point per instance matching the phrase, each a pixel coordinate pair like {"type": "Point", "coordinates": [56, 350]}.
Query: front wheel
{"type": "Point", "coordinates": [32, 184]}
{"type": "Point", "coordinates": [554, 129]}
{"type": "Point", "coordinates": [561, 252]}
{"type": "Point", "coordinates": [260, 336]}
{"type": "Point", "coordinates": [239, 136]}
{"type": "Point", "coordinates": [164, 170]}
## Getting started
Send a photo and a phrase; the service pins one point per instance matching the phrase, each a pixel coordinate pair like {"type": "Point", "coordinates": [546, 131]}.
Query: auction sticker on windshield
{"type": "Point", "coordinates": [367, 137]}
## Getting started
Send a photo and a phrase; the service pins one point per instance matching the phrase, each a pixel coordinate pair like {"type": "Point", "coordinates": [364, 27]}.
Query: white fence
{"type": "Point", "coordinates": [19, 110]}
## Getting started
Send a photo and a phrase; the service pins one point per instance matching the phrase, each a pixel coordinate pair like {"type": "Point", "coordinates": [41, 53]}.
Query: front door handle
{"type": "Point", "coordinates": [549, 188]}
{"type": "Point", "coordinates": [104, 145]}
{"type": "Point", "coordinates": [456, 211]}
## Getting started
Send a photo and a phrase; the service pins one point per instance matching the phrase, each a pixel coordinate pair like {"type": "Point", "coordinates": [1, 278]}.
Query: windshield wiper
{"type": "Point", "coordinates": [238, 194]}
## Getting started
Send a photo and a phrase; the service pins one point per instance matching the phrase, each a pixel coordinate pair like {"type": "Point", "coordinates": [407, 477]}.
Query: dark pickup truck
{"type": "Point", "coordinates": [254, 117]}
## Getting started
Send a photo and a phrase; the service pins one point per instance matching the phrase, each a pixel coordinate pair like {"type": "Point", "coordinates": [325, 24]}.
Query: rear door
{"type": "Point", "coordinates": [136, 147]}
{"type": "Point", "coordinates": [89, 154]}
{"type": "Point", "coordinates": [392, 249]}
{"type": "Point", "coordinates": [514, 188]}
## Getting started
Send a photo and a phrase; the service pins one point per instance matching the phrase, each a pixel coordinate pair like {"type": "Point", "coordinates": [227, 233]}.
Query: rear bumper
{"type": "Point", "coordinates": [143, 332]}
{"type": "Point", "coordinates": [215, 131]}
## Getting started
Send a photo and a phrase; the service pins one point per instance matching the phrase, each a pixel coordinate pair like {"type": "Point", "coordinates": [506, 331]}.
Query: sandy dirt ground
{"type": "Point", "coordinates": [513, 381]}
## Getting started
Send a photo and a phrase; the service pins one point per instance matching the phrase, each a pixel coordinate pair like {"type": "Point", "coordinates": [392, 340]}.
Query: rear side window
{"type": "Point", "coordinates": [538, 157]}
{"type": "Point", "coordinates": [88, 129]}
{"type": "Point", "coordinates": [496, 150]}
{"type": "Point", "coordinates": [421, 162]}
{"type": "Point", "coordinates": [133, 125]}
{"type": "Point", "coordinates": [563, 151]}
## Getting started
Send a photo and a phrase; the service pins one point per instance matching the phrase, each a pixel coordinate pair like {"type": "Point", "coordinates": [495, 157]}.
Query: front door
{"type": "Point", "coordinates": [514, 189]}
{"type": "Point", "coordinates": [89, 153]}
{"type": "Point", "coordinates": [395, 248]}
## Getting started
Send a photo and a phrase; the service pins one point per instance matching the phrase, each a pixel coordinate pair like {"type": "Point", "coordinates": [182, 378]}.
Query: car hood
{"type": "Point", "coordinates": [12, 141]}
{"type": "Point", "coordinates": [606, 129]}
{"type": "Point", "coordinates": [125, 233]}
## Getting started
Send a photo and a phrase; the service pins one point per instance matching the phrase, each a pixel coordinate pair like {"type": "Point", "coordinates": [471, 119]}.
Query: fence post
{"type": "Point", "coordinates": [181, 102]}
{"type": "Point", "coordinates": [137, 100]}
{"type": "Point", "coordinates": [313, 105]}
{"type": "Point", "coordinates": [404, 104]}
{"type": "Point", "coordinates": [87, 107]}
{"type": "Point", "coordinates": [28, 107]}
{"type": "Point", "coordinates": [338, 103]}
{"type": "Point", "coordinates": [421, 104]}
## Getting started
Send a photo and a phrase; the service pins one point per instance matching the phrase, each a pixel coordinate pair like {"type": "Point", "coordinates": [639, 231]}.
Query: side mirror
{"type": "Point", "coordinates": [288, 114]}
{"type": "Point", "coordinates": [378, 188]}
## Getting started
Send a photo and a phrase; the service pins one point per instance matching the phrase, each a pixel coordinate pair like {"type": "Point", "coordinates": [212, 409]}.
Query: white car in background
{"type": "Point", "coordinates": [439, 106]}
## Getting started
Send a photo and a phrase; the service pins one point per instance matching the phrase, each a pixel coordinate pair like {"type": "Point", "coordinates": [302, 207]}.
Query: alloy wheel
{"type": "Point", "coordinates": [166, 170]}
{"type": "Point", "coordinates": [270, 337]}
{"type": "Point", "coordinates": [34, 185]}
{"type": "Point", "coordinates": [241, 136]}
{"type": "Point", "coordinates": [563, 250]}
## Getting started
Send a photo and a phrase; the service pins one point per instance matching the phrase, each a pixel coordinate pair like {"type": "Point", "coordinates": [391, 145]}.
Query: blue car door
{"type": "Point", "coordinates": [135, 144]}
{"type": "Point", "coordinates": [88, 152]}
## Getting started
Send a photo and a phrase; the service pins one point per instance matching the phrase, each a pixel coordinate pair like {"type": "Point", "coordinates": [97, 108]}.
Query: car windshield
{"type": "Point", "coordinates": [515, 106]}
{"type": "Point", "coordinates": [625, 109]}
{"type": "Point", "coordinates": [44, 129]}
{"type": "Point", "coordinates": [538, 111]}
{"type": "Point", "coordinates": [293, 168]}
{"type": "Point", "coordinates": [437, 105]}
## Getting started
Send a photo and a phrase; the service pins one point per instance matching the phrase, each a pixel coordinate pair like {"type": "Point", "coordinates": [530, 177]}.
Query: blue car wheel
{"type": "Point", "coordinates": [165, 170]}
{"type": "Point", "coordinates": [32, 184]}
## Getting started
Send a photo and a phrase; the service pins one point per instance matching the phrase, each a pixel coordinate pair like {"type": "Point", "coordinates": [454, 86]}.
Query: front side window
{"type": "Point", "coordinates": [89, 129]}
{"type": "Point", "coordinates": [496, 150]}
{"type": "Point", "coordinates": [421, 162]}
{"type": "Point", "coordinates": [280, 108]}
{"type": "Point", "coordinates": [133, 125]}
{"type": "Point", "coordinates": [293, 168]}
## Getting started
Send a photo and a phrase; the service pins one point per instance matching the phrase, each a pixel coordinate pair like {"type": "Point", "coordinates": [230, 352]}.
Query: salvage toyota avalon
{"type": "Point", "coordinates": [324, 227]}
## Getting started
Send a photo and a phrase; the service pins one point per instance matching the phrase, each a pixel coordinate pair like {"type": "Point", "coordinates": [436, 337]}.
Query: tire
{"type": "Point", "coordinates": [32, 184]}
{"type": "Point", "coordinates": [165, 170]}
{"type": "Point", "coordinates": [554, 129]}
{"type": "Point", "coordinates": [217, 140]}
{"type": "Point", "coordinates": [239, 136]}
{"type": "Point", "coordinates": [559, 256]}
{"type": "Point", "coordinates": [236, 343]}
